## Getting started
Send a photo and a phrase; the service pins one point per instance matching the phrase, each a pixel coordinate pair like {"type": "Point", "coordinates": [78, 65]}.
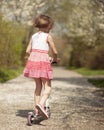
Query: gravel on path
{"type": "Point", "coordinates": [75, 104]}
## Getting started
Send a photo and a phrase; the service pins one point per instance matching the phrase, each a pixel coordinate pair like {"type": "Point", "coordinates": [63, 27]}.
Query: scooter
{"type": "Point", "coordinates": [33, 119]}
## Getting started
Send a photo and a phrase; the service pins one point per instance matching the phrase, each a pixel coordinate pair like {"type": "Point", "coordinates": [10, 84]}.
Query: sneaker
{"type": "Point", "coordinates": [42, 111]}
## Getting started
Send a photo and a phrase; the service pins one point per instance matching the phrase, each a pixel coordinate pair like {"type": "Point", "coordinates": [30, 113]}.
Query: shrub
{"type": "Point", "coordinates": [3, 75]}
{"type": "Point", "coordinates": [7, 74]}
{"type": "Point", "coordinates": [95, 58]}
{"type": "Point", "coordinates": [87, 56]}
{"type": "Point", "coordinates": [11, 47]}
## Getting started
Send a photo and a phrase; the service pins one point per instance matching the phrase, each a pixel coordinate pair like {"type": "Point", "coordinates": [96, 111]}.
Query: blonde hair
{"type": "Point", "coordinates": [44, 23]}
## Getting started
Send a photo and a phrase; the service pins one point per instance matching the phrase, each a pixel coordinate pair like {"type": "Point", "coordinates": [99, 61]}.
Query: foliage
{"type": "Point", "coordinates": [83, 29]}
{"type": "Point", "coordinates": [11, 38]}
{"type": "Point", "coordinates": [11, 47]}
{"type": "Point", "coordinates": [88, 72]}
{"type": "Point", "coordinates": [85, 56]}
{"type": "Point", "coordinates": [94, 59]}
{"type": "Point", "coordinates": [7, 74]}
{"type": "Point", "coordinates": [80, 22]}
{"type": "Point", "coordinates": [63, 50]}
{"type": "Point", "coordinates": [97, 82]}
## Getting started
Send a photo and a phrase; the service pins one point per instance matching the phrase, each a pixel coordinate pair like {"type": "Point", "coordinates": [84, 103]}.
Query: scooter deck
{"type": "Point", "coordinates": [38, 119]}
{"type": "Point", "coordinates": [34, 120]}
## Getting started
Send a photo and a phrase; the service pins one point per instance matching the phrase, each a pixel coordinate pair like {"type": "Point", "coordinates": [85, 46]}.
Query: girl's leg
{"type": "Point", "coordinates": [37, 92]}
{"type": "Point", "coordinates": [47, 103]}
{"type": "Point", "coordinates": [46, 92]}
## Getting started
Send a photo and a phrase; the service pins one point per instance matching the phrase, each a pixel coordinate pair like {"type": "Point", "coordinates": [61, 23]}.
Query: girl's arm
{"type": "Point", "coordinates": [28, 50]}
{"type": "Point", "coordinates": [29, 47]}
{"type": "Point", "coordinates": [53, 48]}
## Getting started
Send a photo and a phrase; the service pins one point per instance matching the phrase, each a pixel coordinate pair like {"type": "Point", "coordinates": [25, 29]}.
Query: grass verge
{"type": "Point", "coordinates": [88, 72]}
{"type": "Point", "coordinates": [98, 82]}
{"type": "Point", "coordinates": [7, 74]}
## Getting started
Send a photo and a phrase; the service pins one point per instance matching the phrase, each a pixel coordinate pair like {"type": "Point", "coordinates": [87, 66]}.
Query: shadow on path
{"type": "Point", "coordinates": [23, 113]}
{"type": "Point", "coordinates": [73, 80]}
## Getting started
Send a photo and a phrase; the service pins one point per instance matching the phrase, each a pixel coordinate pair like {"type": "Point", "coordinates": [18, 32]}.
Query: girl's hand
{"type": "Point", "coordinates": [54, 61]}
{"type": "Point", "coordinates": [51, 59]}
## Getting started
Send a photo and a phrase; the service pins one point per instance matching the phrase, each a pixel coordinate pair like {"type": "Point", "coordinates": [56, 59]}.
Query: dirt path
{"type": "Point", "coordinates": [75, 104]}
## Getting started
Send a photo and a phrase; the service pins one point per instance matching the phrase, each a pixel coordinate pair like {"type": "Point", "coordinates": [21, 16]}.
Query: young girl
{"type": "Point", "coordinates": [38, 64]}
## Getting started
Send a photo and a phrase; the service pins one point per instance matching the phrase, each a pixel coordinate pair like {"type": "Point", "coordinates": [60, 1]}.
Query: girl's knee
{"type": "Point", "coordinates": [46, 82]}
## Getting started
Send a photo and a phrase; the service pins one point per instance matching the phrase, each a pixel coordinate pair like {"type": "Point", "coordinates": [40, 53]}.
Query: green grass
{"type": "Point", "coordinates": [88, 72]}
{"type": "Point", "coordinates": [7, 74]}
{"type": "Point", "coordinates": [97, 82]}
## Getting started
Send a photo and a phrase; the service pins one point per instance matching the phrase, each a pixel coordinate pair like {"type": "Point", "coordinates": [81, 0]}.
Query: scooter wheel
{"type": "Point", "coordinates": [30, 118]}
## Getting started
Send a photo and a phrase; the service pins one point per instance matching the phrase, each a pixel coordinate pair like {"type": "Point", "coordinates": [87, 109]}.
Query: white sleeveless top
{"type": "Point", "coordinates": [39, 41]}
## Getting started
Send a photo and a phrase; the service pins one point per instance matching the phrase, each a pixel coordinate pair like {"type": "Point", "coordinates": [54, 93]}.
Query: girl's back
{"type": "Point", "coordinates": [39, 41]}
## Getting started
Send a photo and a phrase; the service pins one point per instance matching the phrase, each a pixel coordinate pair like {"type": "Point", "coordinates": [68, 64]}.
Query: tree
{"type": "Point", "coordinates": [78, 21]}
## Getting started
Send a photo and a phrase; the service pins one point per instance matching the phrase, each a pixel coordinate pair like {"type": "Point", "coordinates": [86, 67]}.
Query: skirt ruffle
{"type": "Point", "coordinates": [38, 65]}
